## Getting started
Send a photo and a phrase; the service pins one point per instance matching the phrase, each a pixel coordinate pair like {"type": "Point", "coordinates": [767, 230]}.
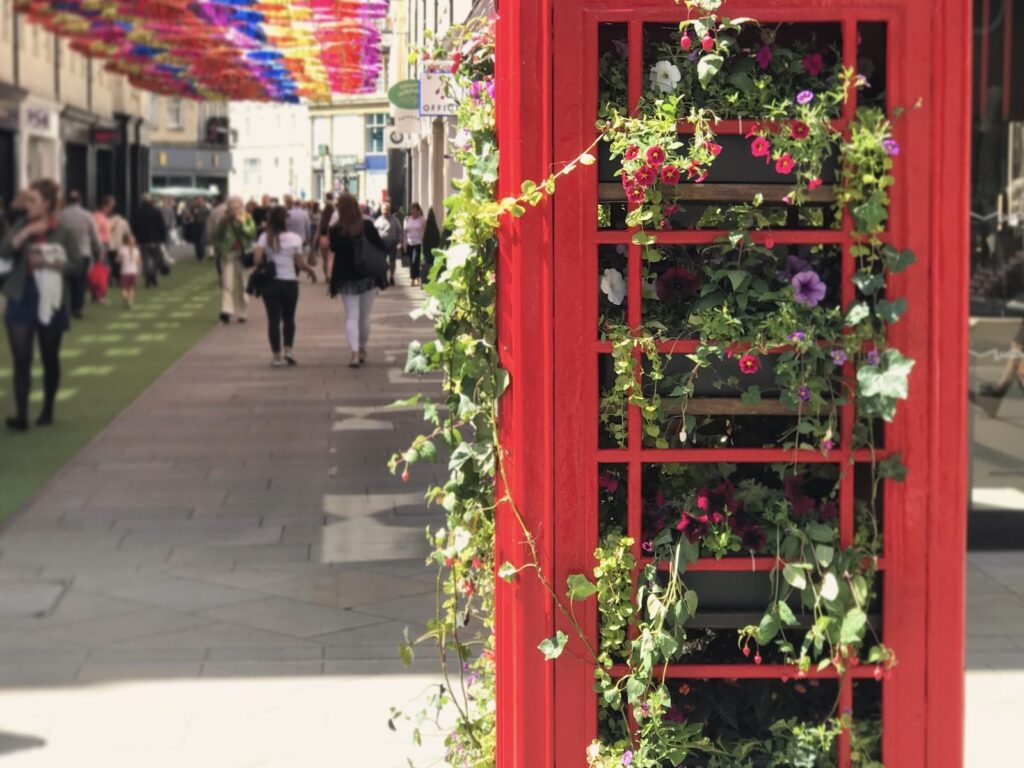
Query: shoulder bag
{"type": "Point", "coordinates": [368, 260]}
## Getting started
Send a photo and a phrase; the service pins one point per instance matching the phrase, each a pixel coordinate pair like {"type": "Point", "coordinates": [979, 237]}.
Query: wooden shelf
{"type": "Point", "coordinates": [722, 193]}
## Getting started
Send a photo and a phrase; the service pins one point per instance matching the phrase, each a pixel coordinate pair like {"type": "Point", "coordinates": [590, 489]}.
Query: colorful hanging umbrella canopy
{"type": "Point", "coordinates": [258, 50]}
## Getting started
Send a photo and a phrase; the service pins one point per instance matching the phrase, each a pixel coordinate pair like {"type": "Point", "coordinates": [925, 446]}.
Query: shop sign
{"type": "Point", "coordinates": [405, 94]}
{"type": "Point", "coordinates": [435, 99]}
{"type": "Point", "coordinates": [106, 136]}
{"type": "Point", "coordinates": [407, 121]}
{"type": "Point", "coordinates": [37, 118]}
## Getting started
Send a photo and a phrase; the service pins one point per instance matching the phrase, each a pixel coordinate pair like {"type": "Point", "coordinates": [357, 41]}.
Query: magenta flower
{"type": "Point", "coordinates": [804, 97]}
{"type": "Point", "coordinates": [764, 57]}
{"type": "Point", "coordinates": [632, 152]}
{"type": "Point", "coordinates": [646, 176]}
{"type": "Point", "coordinates": [656, 156]}
{"type": "Point", "coordinates": [808, 288]}
{"type": "Point", "coordinates": [797, 336]}
{"type": "Point", "coordinates": [891, 147]}
{"type": "Point", "coordinates": [607, 482]}
{"type": "Point", "coordinates": [873, 357]}
{"type": "Point", "coordinates": [839, 357]}
{"type": "Point", "coordinates": [627, 757]}
{"type": "Point", "coordinates": [803, 392]}
{"type": "Point", "coordinates": [760, 147]}
{"type": "Point", "coordinates": [676, 284]}
{"type": "Point", "coordinates": [785, 164]}
{"type": "Point", "coordinates": [813, 64]}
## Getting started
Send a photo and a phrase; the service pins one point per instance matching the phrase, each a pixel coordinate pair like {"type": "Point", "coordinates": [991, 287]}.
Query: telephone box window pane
{"type": "Point", "coordinates": [789, 57]}
{"type": "Point", "coordinates": [612, 279]}
{"type": "Point", "coordinates": [872, 57]}
{"type": "Point", "coordinates": [722, 412]}
{"type": "Point", "coordinates": [736, 510]}
{"type": "Point", "coordinates": [612, 414]}
{"type": "Point", "coordinates": [612, 489]}
{"type": "Point", "coordinates": [613, 67]}
{"type": "Point", "coordinates": [685, 287]}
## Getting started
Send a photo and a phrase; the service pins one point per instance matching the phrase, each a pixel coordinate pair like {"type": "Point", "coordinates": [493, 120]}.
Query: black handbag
{"type": "Point", "coordinates": [261, 277]}
{"type": "Point", "coordinates": [368, 260]}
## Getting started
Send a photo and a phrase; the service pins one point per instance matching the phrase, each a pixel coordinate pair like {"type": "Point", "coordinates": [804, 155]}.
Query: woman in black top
{"type": "Point", "coordinates": [357, 291]}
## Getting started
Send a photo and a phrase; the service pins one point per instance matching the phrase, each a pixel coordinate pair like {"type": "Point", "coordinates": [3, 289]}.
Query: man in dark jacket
{"type": "Point", "coordinates": [151, 234]}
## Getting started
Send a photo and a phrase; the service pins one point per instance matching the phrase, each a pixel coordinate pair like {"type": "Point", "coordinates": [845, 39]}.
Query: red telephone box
{"type": "Point", "coordinates": [549, 54]}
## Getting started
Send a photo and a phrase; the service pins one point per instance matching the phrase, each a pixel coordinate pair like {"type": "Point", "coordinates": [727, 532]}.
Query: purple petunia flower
{"type": "Point", "coordinates": [647, 546]}
{"type": "Point", "coordinates": [803, 392]}
{"type": "Point", "coordinates": [838, 357]}
{"type": "Point", "coordinates": [797, 336]}
{"type": "Point", "coordinates": [794, 265]}
{"type": "Point", "coordinates": [891, 147]}
{"type": "Point", "coordinates": [828, 445]}
{"type": "Point", "coordinates": [627, 757]}
{"type": "Point", "coordinates": [873, 357]}
{"type": "Point", "coordinates": [804, 97]}
{"type": "Point", "coordinates": [808, 288]}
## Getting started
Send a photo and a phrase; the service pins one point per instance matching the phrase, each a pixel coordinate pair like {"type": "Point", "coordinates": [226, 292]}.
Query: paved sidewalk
{"type": "Point", "coordinates": [213, 579]}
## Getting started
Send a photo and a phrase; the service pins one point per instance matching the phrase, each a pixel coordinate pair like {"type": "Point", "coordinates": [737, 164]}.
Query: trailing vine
{"type": "Point", "coordinates": [769, 326]}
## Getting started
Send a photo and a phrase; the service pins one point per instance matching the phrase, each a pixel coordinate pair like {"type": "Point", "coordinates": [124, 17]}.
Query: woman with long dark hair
{"type": "Point", "coordinates": [44, 256]}
{"type": "Point", "coordinates": [281, 295]}
{"type": "Point", "coordinates": [357, 291]}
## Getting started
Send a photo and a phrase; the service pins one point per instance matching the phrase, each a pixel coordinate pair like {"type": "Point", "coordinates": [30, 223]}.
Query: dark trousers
{"type": "Point", "coordinates": [415, 255]}
{"type": "Point", "coordinates": [151, 258]}
{"type": "Point", "coordinates": [200, 244]}
{"type": "Point", "coordinates": [78, 285]}
{"type": "Point", "coordinates": [281, 298]}
{"type": "Point", "coordinates": [20, 338]}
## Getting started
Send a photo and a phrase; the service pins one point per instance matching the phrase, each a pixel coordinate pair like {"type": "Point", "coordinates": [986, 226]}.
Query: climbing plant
{"type": "Point", "coordinates": [768, 323]}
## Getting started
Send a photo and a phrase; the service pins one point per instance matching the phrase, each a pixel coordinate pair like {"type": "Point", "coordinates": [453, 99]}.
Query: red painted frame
{"type": "Point", "coordinates": [547, 97]}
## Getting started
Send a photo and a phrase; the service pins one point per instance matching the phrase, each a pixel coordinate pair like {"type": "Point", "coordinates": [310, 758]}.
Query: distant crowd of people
{"type": "Point", "coordinates": [55, 253]}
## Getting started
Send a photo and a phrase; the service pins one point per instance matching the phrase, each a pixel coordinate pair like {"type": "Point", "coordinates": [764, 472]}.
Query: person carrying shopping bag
{"type": "Point", "coordinates": [280, 253]}
{"type": "Point", "coordinates": [235, 237]}
{"type": "Point", "coordinates": [354, 242]}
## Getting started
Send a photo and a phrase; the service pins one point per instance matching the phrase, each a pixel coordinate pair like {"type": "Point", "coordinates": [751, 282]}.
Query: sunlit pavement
{"type": "Point", "coordinates": [222, 577]}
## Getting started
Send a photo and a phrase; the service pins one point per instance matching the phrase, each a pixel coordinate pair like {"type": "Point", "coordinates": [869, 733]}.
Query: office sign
{"type": "Point", "coordinates": [435, 99]}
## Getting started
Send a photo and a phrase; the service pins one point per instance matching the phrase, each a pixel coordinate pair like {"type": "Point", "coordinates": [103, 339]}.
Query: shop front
{"type": "Point", "coordinates": [89, 146]}
{"type": "Point", "coordinates": [10, 99]}
{"type": "Point", "coordinates": [39, 140]}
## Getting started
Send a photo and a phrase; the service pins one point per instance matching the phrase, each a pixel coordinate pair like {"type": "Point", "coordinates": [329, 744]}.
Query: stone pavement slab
{"type": "Point", "coordinates": [232, 549]}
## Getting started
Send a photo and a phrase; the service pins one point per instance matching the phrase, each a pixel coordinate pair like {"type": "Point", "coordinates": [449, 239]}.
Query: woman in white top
{"type": "Point", "coordinates": [413, 227]}
{"type": "Point", "coordinates": [281, 295]}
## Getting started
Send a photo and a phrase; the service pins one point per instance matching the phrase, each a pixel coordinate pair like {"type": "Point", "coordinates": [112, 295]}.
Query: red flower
{"type": "Point", "coordinates": [670, 210]}
{"type": "Point", "coordinates": [676, 284]}
{"type": "Point", "coordinates": [656, 156]}
{"type": "Point", "coordinates": [769, 242]}
{"type": "Point", "coordinates": [785, 164]}
{"type": "Point", "coordinates": [760, 147]}
{"type": "Point", "coordinates": [670, 175]}
{"type": "Point", "coordinates": [764, 57]}
{"type": "Point", "coordinates": [632, 152]}
{"type": "Point", "coordinates": [635, 194]}
{"type": "Point", "coordinates": [646, 176]}
{"type": "Point", "coordinates": [714, 149]}
{"type": "Point", "coordinates": [799, 130]}
{"type": "Point", "coordinates": [750, 364]}
{"type": "Point", "coordinates": [814, 183]}
{"type": "Point", "coordinates": [456, 61]}
{"type": "Point", "coordinates": [627, 181]}
{"type": "Point", "coordinates": [814, 64]}
{"type": "Point", "coordinates": [686, 42]}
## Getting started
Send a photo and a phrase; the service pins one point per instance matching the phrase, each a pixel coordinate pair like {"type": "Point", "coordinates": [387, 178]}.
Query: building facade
{"type": "Point", "coordinates": [63, 116]}
{"type": "Point", "coordinates": [271, 151]}
{"type": "Point", "coordinates": [191, 143]}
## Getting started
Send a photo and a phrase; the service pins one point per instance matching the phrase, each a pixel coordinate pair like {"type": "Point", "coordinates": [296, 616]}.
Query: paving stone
{"type": "Point", "coordinates": [29, 598]}
{"type": "Point", "coordinates": [291, 617]}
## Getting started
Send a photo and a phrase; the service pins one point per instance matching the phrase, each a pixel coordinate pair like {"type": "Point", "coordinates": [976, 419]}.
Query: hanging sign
{"type": "Point", "coordinates": [405, 94]}
{"type": "Point", "coordinates": [435, 100]}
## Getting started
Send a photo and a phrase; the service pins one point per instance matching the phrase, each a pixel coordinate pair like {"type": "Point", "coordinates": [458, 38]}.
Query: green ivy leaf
{"type": "Point", "coordinates": [752, 395]}
{"type": "Point", "coordinates": [507, 572]}
{"type": "Point", "coordinates": [794, 576]}
{"type": "Point", "coordinates": [552, 647]}
{"type": "Point", "coordinates": [852, 628]}
{"type": "Point", "coordinates": [890, 312]}
{"type": "Point", "coordinates": [708, 66]}
{"type": "Point", "coordinates": [898, 261]}
{"type": "Point", "coordinates": [858, 312]}
{"type": "Point", "coordinates": [868, 284]}
{"type": "Point", "coordinates": [893, 468]}
{"type": "Point", "coordinates": [580, 587]}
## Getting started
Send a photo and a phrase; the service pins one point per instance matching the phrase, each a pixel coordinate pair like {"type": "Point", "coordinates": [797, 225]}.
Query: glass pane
{"type": "Point", "coordinates": [612, 278]}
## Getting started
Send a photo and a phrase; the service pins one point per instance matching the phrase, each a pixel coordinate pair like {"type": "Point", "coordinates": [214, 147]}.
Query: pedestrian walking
{"type": "Point", "coordinates": [323, 231]}
{"type": "Point", "coordinates": [199, 214]}
{"type": "Point", "coordinates": [119, 230]}
{"type": "Point", "coordinates": [150, 231]}
{"type": "Point", "coordinates": [413, 228]}
{"type": "Point", "coordinates": [101, 217]}
{"type": "Point", "coordinates": [44, 256]}
{"type": "Point", "coordinates": [129, 260]}
{"type": "Point", "coordinates": [298, 221]}
{"type": "Point", "coordinates": [235, 237]}
{"type": "Point", "coordinates": [80, 223]}
{"type": "Point", "coordinates": [284, 250]}
{"type": "Point", "coordinates": [357, 290]}
{"type": "Point", "coordinates": [389, 227]}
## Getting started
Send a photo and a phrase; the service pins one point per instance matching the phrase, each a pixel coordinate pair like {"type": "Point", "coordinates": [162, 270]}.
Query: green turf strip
{"type": "Point", "coordinates": [108, 359]}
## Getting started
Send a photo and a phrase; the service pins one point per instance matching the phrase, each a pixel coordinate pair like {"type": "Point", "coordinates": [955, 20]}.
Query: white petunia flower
{"type": "Point", "coordinates": [460, 539]}
{"type": "Point", "coordinates": [665, 76]}
{"type": "Point", "coordinates": [613, 286]}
